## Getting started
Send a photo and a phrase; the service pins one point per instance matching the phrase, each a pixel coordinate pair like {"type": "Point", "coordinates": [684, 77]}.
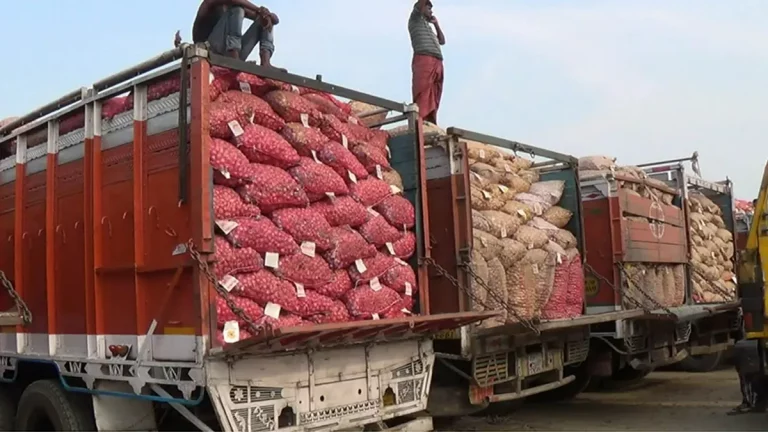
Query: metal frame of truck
{"type": "Point", "coordinates": [478, 367]}
{"type": "Point", "coordinates": [114, 344]}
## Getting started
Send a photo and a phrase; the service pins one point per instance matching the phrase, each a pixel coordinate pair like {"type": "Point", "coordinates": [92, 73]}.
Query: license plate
{"type": "Point", "coordinates": [448, 334]}
{"type": "Point", "coordinates": [535, 363]}
{"type": "Point", "coordinates": [477, 394]}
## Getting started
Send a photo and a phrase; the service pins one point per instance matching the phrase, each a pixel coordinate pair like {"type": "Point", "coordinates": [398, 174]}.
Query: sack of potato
{"type": "Point", "coordinates": [636, 183]}
{"type": "Point", "coordinates": [653, 286]}
{"type": "Point", "coordinates": [712, 251]}
{"type": "Point", "coordinates": [518, 228]}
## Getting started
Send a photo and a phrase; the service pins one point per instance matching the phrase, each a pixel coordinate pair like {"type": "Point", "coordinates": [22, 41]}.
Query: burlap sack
{"type": "Point", "coordinates": [529, 175]}
{"type": "Point", "coordinates": [678, 273]}
{"type": "Point", "coordinates": [520, 163]}
{"type": "Point", "coordinates": [539, 275]}
{"type": "Point", "coordinates": [501, 224]}
{"type": "Point", "coordinates": [479, 181]}
{"type": "Point", "coordinates": [565, 239]}
{"type": "Point", "coordinates": [486, 244]}
{"type": "Point", "coordinates": [556, 249]}
{"type": "Point", "coordinates": [549, 191]}
{"type": "Point", "coordinates": [724, 235]}
{"type": "Point", "coordinates": [557, 216]}
{"type": "Point", "coordinates": [393, 178]}
{"type": "Point", "coordinates": [521, 210]}
{"type": "Point", "coordinates": [481, 152]}
{"type": "Point", "coordinates": [512, 251]}
{"type": "Point", "coordinates": [541, 224]}
{"type": "Point", "coordinates": [699, 200]}
{"type": "Point", "coordinates": [480, 222]}
{"type": "Point", "coordinates": [496, 298]}
{"type": "Point", "coordinates": [482, 199]}
{"type": "Point", "coordinates": [479, 294]}
{"type": "Point", "coordinates": [486, 171]}
{"type": "Point", "coordinates": [668, 284]}
{"type": "Point", "coordinates": [596, 163]}
{"type": "Point", "coordinates": [536, 203]}
{"type": "Point", "coordinates": [531, 237]}
{"type": "Point", "coordinates": [362, 109]}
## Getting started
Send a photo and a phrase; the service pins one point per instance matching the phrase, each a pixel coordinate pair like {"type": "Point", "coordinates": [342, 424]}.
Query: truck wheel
{"type": "Point", "coordinates": [45, 405]}
{"type": "Point", "coordinates": [7, 411]}
{"type": "Point", "coordinates": [702, 363]}
{"type": "Point", "coordinates": [624, 378]}
{"type": "Point", "coordinates": [568, 391]}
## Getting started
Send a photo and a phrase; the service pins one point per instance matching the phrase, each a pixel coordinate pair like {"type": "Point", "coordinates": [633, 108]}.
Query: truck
{"type": "Point", "coordinates": [653, 229]}
{"type": "Point", "coordinates": [109, 293]}
{"type": "Point", "coordinates": [491, 368]}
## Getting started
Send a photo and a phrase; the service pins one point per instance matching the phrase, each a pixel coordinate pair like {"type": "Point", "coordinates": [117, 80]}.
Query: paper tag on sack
{"type": "Point", "coordinates": [272, 310]}
{"type": "Point", "coordinates": [304, 119]}
{"type": "Point", "coordinates": [408, 289]}
{"type": "Point", "coordinates": [503, 189]}
{"type": "Point", "coordinates": [391, 248]}
{"type": "Point", "coordinates": [271, 260]}
{"type": "Point", "coordinates": [535, 268]}
{"type": "Point", "coordinates": [294, 89]}
{"type": "Point", "coordinates": [395, 190]}
{"type": "Point", "coordinates": [483, 242]}
{"type": "Point", "coordinates": [352, 120]}
{"type": "Point", "coordinates": [503, 232]}
{"type": "Point", "coordinates": [300, 293]}
{"type": "Point", "coordinates": [253, 116]}
{"type": "Point", "coordinates": [330, 195]}
{"type": "Point", "coordinates": [486, 195]}
{"type": "Point", "coordinates": [507, 168]}
{"type": "Point", "coordinates": [733, 279]}
{"type": "Point", "coordinates": [231, 332]}
{"type": "Point", "coordinates": [245, 87]}
{"type": "Point", "coordinates": [360, 266]}
{"type": "Point", "coordinates": [401, 262]}
{"type": "Point", "coordinates": [235, 128]}
{"type": "Point", "coordinates": [373, 212]}
{"type": "Point", "coordinates": [229, 282]}
{"type": "Point", "coordinates": [375, 317]}
{"type": "Point", "coordinates": [211, 77]}
{"type": "Point", "coordinates": [389, 152]}
{"type": "Point", "coordinates": [482, 154]}
{"type": "Point", "coordinates": [344, 141]}
{"type": "Point", "coordinates": [314, 156]}
{"type": "Point", "coordinates": [375, 284]}
{"type": "Point", "coordinates": [226, 226]}
{"type": "Point", "coordinates": [225, 173]}
{"type": "Point", "coordinates": [352, 176]}
{"type": "Point", "coordinates": [521, 213]}
{"type": "Point", "coordinates": [379, 173]}
{"type": "Point", "coordinates": [559, 259]}
{"type": "Point", "coordinates": [308, 248]}
{"type": "Point", "coordinates": [406, 311]}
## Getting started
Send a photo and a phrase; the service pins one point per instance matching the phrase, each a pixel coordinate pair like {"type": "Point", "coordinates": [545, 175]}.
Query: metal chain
{"type": "Point", "coordinates": [468, 268]}
{"type": "Point", "coordinates": [648, 297]}
{"type": "Point", "coordinates": [631, 299]}
{"type": "Point", "coordinates": [26, 314]}
{"type": "Point", "coordinates": [206, 270]}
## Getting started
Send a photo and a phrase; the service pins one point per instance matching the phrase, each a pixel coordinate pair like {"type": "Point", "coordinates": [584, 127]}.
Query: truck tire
{"type": "Point", "coordinates": [570, 390]}
{"type": "Point", "coordinates": [7, 411]}
{"type": "Point", "coordinates": [702, 363]}
{"type": "Point", "coordinates": [45, 405]}
{"type": "Point", "coordinates": [625, 378]}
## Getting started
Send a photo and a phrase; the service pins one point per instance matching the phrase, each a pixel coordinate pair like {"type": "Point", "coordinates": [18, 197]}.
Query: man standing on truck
{"type": "Point", "coordinates": [220, 23]}
{"type": "Point", "coordinates": [427, 65]}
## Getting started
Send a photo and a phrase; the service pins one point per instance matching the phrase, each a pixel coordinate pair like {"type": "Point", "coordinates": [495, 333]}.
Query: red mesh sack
{"type": "Point", "coordinates": [318, 179]}
{"type": "Point", "coordinates": [359, 132]}
{"type": "Point", "coordinates": [343, 106]}
{"type": "Point", "coordinates": [228, 204]}
{"type": "Point", "coordinates": [364, 302]}
{"type": "Point", "coordinates": [262, 145]}
{"type": "Point", "coordinates": [224, 314]}
{"type": "Point", "coordinates": [271, 189]}
{"type": "Point", "coordinates": [373, 267]}
{"type": "Point", "coordinates": [342, 161]}
{"type": "Point", "coordinates": [159, 89]}
{"type": "Point", "coordinates": [112, 107]}
{"type": "Point", "coordinates": [342, 211]}
{"type": "Point", "coordinates": [398, 211]}
{"type": "Point", "coordinates": [304, 225]}
{"type": "Point", "coordinates": [378, 232]}
{"type": "Point", "coordinates": [263, 287]}
{"type": "Point", "coordinates": [338, 286]}
{"type": "Point", "coordinates": [337, 130]}
{"type": "Point", "coordinates": [401, 309]}
{"type": "Point", "coordinates": [326, 106]}
{"type": "Point", "coordinates": [557, 306]}
{"type": "Point", "coordinates": [370, 191]}
{"type": "Point", "coordinates": [221, 80]}
{"type": "Point", "coordinates": [302, 269]}
{"type": "Point", "coordinates": [253, 108]}
{"type": "Point", "coordinates": [290, 106]}
{"type": "Point", "coordinates": [372, 158]}
{"type": "Point", "coordinates": [336, 313]}
{"type": "Point", "coordinates": [400, 278]}
{"type": "Point", "coordinates": [347, 246]}
{"type": "Point", "coordinates": [230, 166]}
{"type": "Point", "coordinates": [231, 260]}
{"type": "Point", "coordinates": [261, 235]}
{"type": "Point", "coordinates": [221, 118]}
{"type": "Point", "coordinates": [252, 84]}
{"type": "Point", "coordinates": [403, 248]}
{"type": "Point", "coordinates": [378, 138]}
{"type": "Point", "coordinates": [304, 139]}
{"type": "Point", "coordinates": [575, 287]}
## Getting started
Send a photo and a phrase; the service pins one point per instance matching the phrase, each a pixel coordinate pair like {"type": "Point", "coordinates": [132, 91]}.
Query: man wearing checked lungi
{"type": "Point", "coordinates": [427, 62]}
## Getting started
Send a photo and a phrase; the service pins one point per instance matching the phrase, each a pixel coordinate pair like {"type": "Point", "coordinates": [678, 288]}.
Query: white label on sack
{"type": "Point", "coordinates": [405, 311]}
{"type": "Point", "coordinates": [314, 156]}
{"type": "Point", "coordinates": [245, 87]}
{"type": "Point", "coordinates": [352, 120]}
{"type": "Point", "coordinates": [294, 89]}
{"type": "Point", "coordinates": [389, 152]}
{"type": "Point", "coordinates": [507, 168]}
{"type": "Point", "coordinates": [375, 284]}
{"type": "Point", "coordinates": [391, 248]}
{"type": "Point", "coordinates": [308, 248]}
{"type": "Point", "coordinates": [373, 212]}
{"type": "Point", "coordinates": [360, 266]}
{"type": "Point", "coordinates": [375, 317]}
{"type": "Point", "coordinates": [304, 119]}
{"type": "Point", "coordinates": [330, 195]}
{"type": "Point", "coordinates": [395, 190]}
{"type": "Point", "coordinates": [225, 173]}
{"type": "Point", "coordinates": [352, 176]}
{"type": "Point", "coordinates": [211, 77]}
{"type": "Point", "coordinates": [231, 332]}
{"type": "Point", "coordinates": [503, 232]}
{"type": "Point", "coordinates": [733, 278]}
{"type": "Point", "coordinates": [253, 116]}
{"type": "Point", "coordinates": [482, 154]}
{"type": "Point", "coordinates": [235, 128]}
{"type": "Point", "coordinates": [379, 173]}
{"type": "Point", "coordinates": [503, 189]}
{"type": "Point", "coordinates": [535, 268]}
{"type": "Point", "coordinates": [272, 310]}
{"type": "Point", "coordinates": [300, 293]}
{"type": "Point", "coordinates": [521, 213]}
{"type": "Point", "coordinates": [271, 260]}
{"type": "Point", "coordinates": [180, 248]}
{"type": "Point", "coordinates": [226, 226]}
{"type": "Point", "coordinates": [476, 175]}
{"type": "Point", "coordinates": [486, 195]}
{"type": "Point", "coordinates": [559, 259]}
{"type": "Point", "coordinates": [408, 289]}
{"type": "Point", "coordinates": [344, 141]}
{"type": "Point", "coordinates": [401, 262]}
{"type": "Point", "coordinates": [229, 282]}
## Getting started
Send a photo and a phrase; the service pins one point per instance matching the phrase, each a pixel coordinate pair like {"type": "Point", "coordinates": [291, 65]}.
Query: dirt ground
{"type": "Point", "coordinates": [664, 401]}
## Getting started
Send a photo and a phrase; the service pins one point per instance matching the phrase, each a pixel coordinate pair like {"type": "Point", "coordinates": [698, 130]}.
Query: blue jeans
{"type": "Point", "coordinates": [228, 35]}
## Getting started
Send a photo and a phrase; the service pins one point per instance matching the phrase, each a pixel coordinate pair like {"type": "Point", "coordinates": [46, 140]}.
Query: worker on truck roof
{"type": "Point", "coordinates": [427, 62]}
{"type": "Point", "coordinates": [220, 23]}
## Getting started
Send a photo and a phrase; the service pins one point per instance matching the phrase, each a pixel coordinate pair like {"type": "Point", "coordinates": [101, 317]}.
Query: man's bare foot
{"type": "Point", "coordinates": [269, 65]}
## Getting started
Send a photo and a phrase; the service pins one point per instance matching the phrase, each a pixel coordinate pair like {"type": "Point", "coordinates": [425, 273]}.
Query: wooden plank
{"type": "Point", "coordinates": [644, 207]}
{"type": "Point", "coordinates": [660, 233]}
{"type": "Point", "coordinates": [655, 253]}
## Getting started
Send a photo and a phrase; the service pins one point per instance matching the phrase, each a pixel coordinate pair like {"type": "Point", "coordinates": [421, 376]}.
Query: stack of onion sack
{"type": "Point", "coordinates": [534, 269]}
{"type": "Point", "coordinates": [309, 230]}
{"type": "Point", "coordinates": [647, 286]}
{"type": "Point", "coordinates": [712, 252]}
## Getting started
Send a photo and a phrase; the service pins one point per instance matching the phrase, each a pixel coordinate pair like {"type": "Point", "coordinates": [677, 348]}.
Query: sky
{"type": "Point", "coordinates": [642, 81]}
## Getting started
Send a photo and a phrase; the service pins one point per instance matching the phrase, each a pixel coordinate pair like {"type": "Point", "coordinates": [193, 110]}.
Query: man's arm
{"type": "Point", "coordinates": [440, 35]}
